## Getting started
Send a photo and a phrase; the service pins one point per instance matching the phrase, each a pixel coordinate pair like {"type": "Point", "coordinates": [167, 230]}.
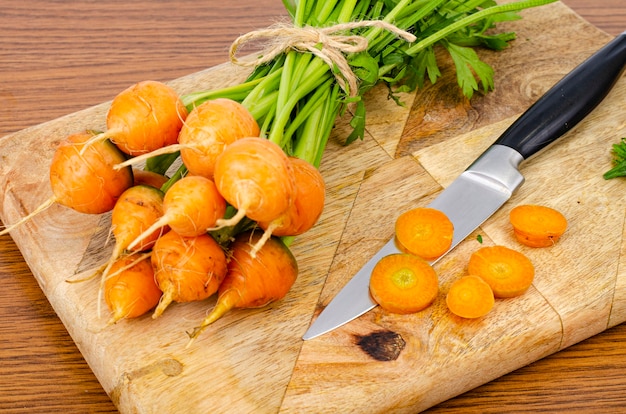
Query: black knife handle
{"type": "Point", "coordinates": [567, 102]}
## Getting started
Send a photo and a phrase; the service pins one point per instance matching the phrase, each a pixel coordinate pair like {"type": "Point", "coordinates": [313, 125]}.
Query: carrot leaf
{"type": "Point", "coordinates": [619, 161]}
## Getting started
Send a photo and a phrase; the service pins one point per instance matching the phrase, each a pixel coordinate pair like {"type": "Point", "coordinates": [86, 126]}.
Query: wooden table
{"type": "Point", "coordinates": [60, 57]}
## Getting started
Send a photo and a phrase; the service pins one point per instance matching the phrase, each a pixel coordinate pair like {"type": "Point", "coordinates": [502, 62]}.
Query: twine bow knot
{"type": "Point", "coordinates": [327, 43]}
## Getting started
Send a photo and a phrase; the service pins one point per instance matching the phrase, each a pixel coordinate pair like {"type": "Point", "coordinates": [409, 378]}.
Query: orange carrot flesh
{"type": "Point", "coordinates": [187, 268]}
{"type": "Point", "coordinates": [253, 281]}
{"type": "Point", "coordinates": [209, 128]}
{"type": "Point", "coordinates": [255, 176]}
{"type": "Point", "coordinates": [144, 117]}
{"type": "Point", "coordinates": [537, 226]}
{"type": "Point", "coordinates": [424, 232]}
{"type": "Point", "coordinates": [131, 291]}
{"type": "Point", "coordinates": [403, 283]}
{"type": "Point", "coordinates": [470, 297]}
{"type": "Point", "coordinates": [508, 272]}
{"type": "Point", "coordinates": [86, 181]}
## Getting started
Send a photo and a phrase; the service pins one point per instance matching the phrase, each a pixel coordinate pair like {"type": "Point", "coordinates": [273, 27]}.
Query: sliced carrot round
{"type": "Point", "coordinates": [425, 232]}
{"type": "Point", "coordinates": [508, 272]}
{"type": "Point", "coordinates": [470, 297]}
{"type": "Point", "coordinates": [537, 226]}
{"type": "Point", "coordinates": [403, 283]}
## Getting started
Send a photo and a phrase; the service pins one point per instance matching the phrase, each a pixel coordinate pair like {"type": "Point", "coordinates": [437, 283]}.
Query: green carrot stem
{"type": "Point", "coordinates": [317, 128]}
{"type": "Point", "coordinates": [323, 10]}
{"type": "Point", "coordinates": [345, 14]}
{"type": "Point", "coordinates": [180, 173]}
{"type": "Point", "coordinates": [263, 107]}
{"type": "Point", "coordinates": [267, 85]}
{"type": "Point", "coordinates": [268, 119]}
{"type": "Point", "coordinates": [312, 102]}
{"type": "Point", "coordinates": [283, 113]}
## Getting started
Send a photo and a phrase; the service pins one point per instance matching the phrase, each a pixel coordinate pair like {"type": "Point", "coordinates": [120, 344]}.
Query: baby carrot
{"type": "Point", "coordinates": [252, 281]}
{"type": "Point", "coordinates": [187, 269]}
{"type": "Point", "coordinates": [306, 207]}
{"type": "Point", "coordinates": [255, 176]}
{"type": "Point", "coordinates": [137, 209]}
{"type": "Point", "coordinates": [209, 128]}
{"type": "Point", "coordinates": [130, 290]}
{"type": "Point", "coordinates": [508, 272]}
{"type": "Point", "coordinates": [190, 207]}
{"type": "Point", "coordinates": [537, 226]}
{"type": "Point", "coordinates": [84, 179]}
{"type": "Point", "coordinates": [144, 117]}
{"type": "Point", "coordinates": [403, 283]}
{"type": "Point", "coordinates": [470, 297]}
{"type": "Point", "coordinates": [424, 232]}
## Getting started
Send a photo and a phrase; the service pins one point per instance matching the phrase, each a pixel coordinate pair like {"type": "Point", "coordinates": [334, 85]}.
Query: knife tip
{"type": "Point", "coordinates": [310, 335]}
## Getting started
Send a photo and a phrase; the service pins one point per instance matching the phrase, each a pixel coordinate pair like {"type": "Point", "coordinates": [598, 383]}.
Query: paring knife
{"type": "Point", "coordinates": [491, 180]}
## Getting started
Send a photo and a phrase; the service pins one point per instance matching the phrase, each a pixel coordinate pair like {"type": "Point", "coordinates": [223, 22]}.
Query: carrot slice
{"type": "Point", "coordinates": [508, 272]}
{"type": "Point", "coordinates": [403, 283]}
{"type": "Point", "coordinates": [537, 226]}
{"type": "Point", "coordinates": [470, 297]}
{"type": "Point", "coordinates": [425, 232]}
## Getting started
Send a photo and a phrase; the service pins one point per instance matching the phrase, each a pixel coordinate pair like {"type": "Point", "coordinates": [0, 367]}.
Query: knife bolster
{"type": "Point", "coordinates": [499, 165]}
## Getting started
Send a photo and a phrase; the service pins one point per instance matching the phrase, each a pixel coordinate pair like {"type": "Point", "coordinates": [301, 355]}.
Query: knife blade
{"type": "Point", "coordinates": [494, 176]}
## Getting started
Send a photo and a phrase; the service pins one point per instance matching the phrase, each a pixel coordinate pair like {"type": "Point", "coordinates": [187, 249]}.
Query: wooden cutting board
{"type": "Point", "coordinates": [255, 360]}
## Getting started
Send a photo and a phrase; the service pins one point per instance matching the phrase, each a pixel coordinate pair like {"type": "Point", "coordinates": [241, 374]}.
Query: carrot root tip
{"type": "Point", "coordinates": [143, 157]}
{"type": "Point", "coordinates": [97, 138]}
{"type": "Point", "coordinates": [261, 242]}
{"type": "Point", "coordinates": [218, 311]}
{"type": "Point", "coordinates": [159, 223]}
{"type": "Point", "coordinates": [40, 209]}
{"type": "Point", "coordinates": [88, 278]}
{"type": "Point", "coordinates": [165, 301]}
{"type": "Point", "coordinates": [233, 221]}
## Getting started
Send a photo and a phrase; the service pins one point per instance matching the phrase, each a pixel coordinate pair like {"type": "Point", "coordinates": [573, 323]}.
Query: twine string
{"type": "Point", "coordinates": [327, 43]}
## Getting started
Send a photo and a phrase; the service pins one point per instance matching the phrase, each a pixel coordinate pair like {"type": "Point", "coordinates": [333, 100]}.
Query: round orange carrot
{"type": "Point", "coordinates": [537, 226]}
{"type": "Point", "coordinates": [255, 176]}
{"type": "Point", "coordinates": [209, 128]}
{"type": "Point", "coordinates": [470, 297]}
{"type": "Point", "coordinates": [424, 232]}
{"type": "Point", "coordinates": [144, 117]}
{"type": "Point", "coordinates": [403, 283]}
{"type": "Point", "coordinates": [130, 290]}
{"type": "Point", "coordinates": [187, 268]}
{"type": "Point", "coordinates": [190, 207]}
{"type": "Point", "coordinates": [84, 178]}
{"type": "Point", "coordinates": [508, 272]}
{"type": "Point", "coordinates": [253, 281]}
{"type": "Point", "coordinates": [137, 209]}
{"type": "Point", "coordinates": [307, 205]}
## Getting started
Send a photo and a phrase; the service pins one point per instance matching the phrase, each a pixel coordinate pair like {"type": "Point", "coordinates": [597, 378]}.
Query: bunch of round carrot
{"type": "Point", "coordinates": [212, 227]}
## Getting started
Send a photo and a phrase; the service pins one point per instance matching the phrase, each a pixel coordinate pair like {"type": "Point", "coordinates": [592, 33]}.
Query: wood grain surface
{"type": "Point", "coordinates": [60, 57]}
